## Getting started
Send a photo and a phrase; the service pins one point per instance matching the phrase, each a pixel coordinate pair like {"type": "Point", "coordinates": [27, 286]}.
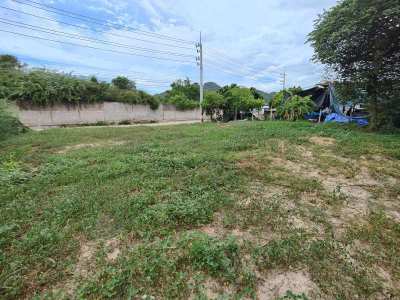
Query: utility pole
{"type": "Point", "coordinates": [283, 81]}
{"type": "Point", "coordinates": [200, 64]}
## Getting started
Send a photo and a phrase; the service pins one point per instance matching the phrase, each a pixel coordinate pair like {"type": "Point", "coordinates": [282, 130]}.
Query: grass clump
{"type": "Point", "coordinates": [9, 125]}
{"type": "Point", "coordinates": [164, 268]}
{"type": "Point", "coordinates": [216, 257]}
{"type": "Point", "coordinates": [158, 191]}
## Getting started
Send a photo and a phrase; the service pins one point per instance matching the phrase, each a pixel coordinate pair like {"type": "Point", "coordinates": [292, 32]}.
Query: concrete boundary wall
{"type": "Point", "coordinates": [109, 112]}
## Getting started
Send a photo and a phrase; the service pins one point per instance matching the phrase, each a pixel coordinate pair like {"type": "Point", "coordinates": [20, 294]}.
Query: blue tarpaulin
{"type": "Point", "coordinates": [340, 118]}
{"type": "Point", "coordinates": [328, 107]}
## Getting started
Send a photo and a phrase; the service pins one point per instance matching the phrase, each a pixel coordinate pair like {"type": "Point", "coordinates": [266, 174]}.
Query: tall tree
{"type": "Point", "coordinates": [9, 62]}
{"type": "Point", "coordinates": [360, 40]}
{"type": "Point", "coordinates": [186, 88]}
{"type": "Point", "coordinates": [124, 83]}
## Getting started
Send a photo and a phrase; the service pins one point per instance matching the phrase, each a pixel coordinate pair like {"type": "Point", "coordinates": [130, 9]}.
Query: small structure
{"type": "Point", "coordinates": [328, 109]}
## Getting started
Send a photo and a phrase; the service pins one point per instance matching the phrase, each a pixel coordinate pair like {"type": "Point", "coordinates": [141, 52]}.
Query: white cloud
{"type": "Point", "coordinates": [261, 39]}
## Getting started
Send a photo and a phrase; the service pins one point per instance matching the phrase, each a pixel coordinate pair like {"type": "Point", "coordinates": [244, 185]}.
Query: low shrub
{"type": "Point", "coordinates": [290, 106]}
{"type": "Point", "coordinates": [44, 87]}
{"type": "Point", "coordinates": [181, 102]}
{"type": "Point", "coordinates": [9, 125]}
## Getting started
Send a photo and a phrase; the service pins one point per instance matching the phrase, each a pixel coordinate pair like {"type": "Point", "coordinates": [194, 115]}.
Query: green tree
{"type": "Point", "coordinates": [181, 102]}
{"type": "Point", "coordinates": [360, 40]}
{"type": "Point", "coordinates": [9, 62]}
{"type": "Point", "coordinates": [123, 83]}
{"type": "Point", "coordinates": [279, 99]}
{"type": "Point", "coordinates": [295, 90]}
{"type": "Point", "coordinates": [242, 99]}
{"type": "Point", "coordinates": [256, 93]}
{"type": "Point", "coordinates": [94, 79]}
{"type": "Point", "coordinates": [185, 87]}
{"type": "Point", "coordinates": [213, 104]}
{"type": "Point", "coordinates": [295, 108]}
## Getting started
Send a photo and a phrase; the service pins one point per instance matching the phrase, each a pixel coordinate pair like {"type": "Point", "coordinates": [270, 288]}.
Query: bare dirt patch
{"type": "Point", "coordinates": [306, 225]}
{"type": "Point", "coordinates": [77, 147]}
{"type": "Point", "coordinates": [291, 166]}
{"type": "Point", "coordinates": [322, 141]}
{"type": "Point", "coordinates": [85, 257]}
{"type": "Point", "coordinates": [212, 289]}
{"type": "Point", "coordinates": [387, 279]}
{"type": "Point", "coordinates": [113, 251]}
{"type": "Point", "coordinates": [278, 283]}
{"type": "Point", "coordinates": [82, 269]}
{"type": "Point", "coordinates": [70, 148]}
{"type": "Point", "coordinates": [305, 153]}
{"type": "Point", "coordinates": [215, 228]}
{"type": "Point", "coordinates": [259, 191]}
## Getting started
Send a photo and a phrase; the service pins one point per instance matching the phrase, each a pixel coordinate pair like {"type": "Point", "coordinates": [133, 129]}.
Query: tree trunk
{"type": "Point", "coordinates": [373, 103]}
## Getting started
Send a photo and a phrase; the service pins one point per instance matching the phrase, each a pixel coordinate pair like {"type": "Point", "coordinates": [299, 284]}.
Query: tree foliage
{"type": "Point", "coordinates": [290, 106]}
{"type": "Point", "coordinates": [213, 104]}
{"type": "Point", "coordinates": [44, 87]}
{"type": "Point", "coordinates": [185, 87]}
{"type": "Point", "coordinates": [295, 108]}
{"type": "Point", "coordinates": [232, 100]}
{"type": "Point", "coordinates": [181, 102]}
{"type": "Point", "coordinates": [360, 40]}
{"type": "Point", "coordinates": [9, 62]}
{"type": "Point", "coordinates": [183, 94]}
{"type": "Point", "coordinates": [123, 83]}
{"type": "Point", "coordinates": [9, 125]}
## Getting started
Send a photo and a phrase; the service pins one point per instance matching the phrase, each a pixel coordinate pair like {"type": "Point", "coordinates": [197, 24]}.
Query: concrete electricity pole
{"type": "Point", "coordinates": [200, 64]}
{"type": "Point", "coordinates": [283, 80]}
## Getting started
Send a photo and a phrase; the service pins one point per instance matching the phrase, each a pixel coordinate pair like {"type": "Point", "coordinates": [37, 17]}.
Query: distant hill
{"type": "Point", "coordinates": [211, 87]}
{"type": "Point", "coordinates": [266, 96]}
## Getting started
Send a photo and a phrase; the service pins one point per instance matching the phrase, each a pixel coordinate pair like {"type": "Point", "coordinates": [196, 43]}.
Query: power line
{"type": "Point", "coordinates": [91, 47]}
{"type": "Point", "coordinates": [95, 30]}
{"type": "Point", "coordinates": [129, 74]}
{"type": "Point", "coordinates": [70, 14]}
{"type": "Point", "coordinates": [84, 38]}
{"type": "Point", "coordinates": [225, 69]}
{"type": "Point", "coordinates": [244, 69]}
{"type": "Point", "coordinates": [234, 70]}
{"type": "Point", "coordinates": [230, 60]}
{"type": "Point", "coordinates": [231, 70]}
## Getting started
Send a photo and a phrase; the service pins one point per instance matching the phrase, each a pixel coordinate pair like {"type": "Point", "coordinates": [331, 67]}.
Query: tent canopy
{"type": "Point", "coordinates": [320, 95]}
{"type": "Point", "coordinates": [323, 96]}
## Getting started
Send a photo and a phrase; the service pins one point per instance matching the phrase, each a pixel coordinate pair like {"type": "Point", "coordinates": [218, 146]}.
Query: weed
{"type": "Point", "coordinates": [153, 193]}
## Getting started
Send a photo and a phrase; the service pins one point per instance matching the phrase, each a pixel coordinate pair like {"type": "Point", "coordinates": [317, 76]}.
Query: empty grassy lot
{"type": "Point", "coordinates": [246, 210]}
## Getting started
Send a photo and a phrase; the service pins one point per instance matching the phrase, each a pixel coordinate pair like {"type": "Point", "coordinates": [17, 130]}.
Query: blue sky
{"type": "Point", "coordinates": [246, 42]}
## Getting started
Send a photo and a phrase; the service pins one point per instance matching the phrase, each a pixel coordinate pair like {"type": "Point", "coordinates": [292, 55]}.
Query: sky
{"type": "Point", "coordinates": [153, 42]}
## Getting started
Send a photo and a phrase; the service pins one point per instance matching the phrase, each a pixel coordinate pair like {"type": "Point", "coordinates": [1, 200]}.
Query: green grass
{"type": "Point", "coordinates": [154, 189]}
{"type": "Point", "coordinates": [9, 124]}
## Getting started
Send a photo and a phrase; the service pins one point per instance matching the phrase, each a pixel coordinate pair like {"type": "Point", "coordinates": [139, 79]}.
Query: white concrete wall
{"type": "Point", "coordinates": [110, 112]}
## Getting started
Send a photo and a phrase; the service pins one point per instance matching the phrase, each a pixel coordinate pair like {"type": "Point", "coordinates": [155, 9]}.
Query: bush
{"type": "Point", "coordinates": [213, 104]}
{"type": "Point", "coordinates": [290, 106]}
{"type": "Point", "coordinates": [123, 83]}
{"type": "Point", "coordinates": [43, 87]}
{"type": "Point", "coordinates": [9, 125]}
{"type": "Point", "coordinates": [130, 96]}
{"type": "Point", "coordinates": [217, 257]}
{"type": "Point", "coordinates": [181, 102]}
{"type": "Point", "coordinates": [295, 108]}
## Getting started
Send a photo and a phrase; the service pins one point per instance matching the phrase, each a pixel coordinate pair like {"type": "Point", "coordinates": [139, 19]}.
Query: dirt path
{"type": "Point", "coordinates": [122, 126]}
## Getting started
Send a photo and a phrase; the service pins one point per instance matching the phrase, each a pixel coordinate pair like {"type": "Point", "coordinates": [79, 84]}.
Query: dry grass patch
{"type": "Point", "coordinates": [278, 283]}
{"type": "Point", "coordinates": [322, 141]}
{"type": "Point", "coordinates": [71, 148]}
